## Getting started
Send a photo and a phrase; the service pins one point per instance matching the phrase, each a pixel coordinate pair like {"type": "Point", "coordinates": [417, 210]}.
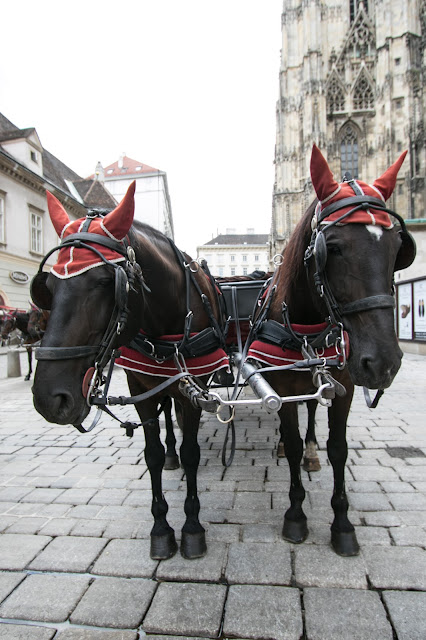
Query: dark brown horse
{"type": "Point", "coordinates": [110, 280]}
{"type": "Point", "coordinates": [31, 326]}
{"type": "Point", "coordinates": [338, 266]}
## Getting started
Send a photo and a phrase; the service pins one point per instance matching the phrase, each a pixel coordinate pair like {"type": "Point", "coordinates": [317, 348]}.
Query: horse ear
{"type": "Point", "coordinates": [58, 215]}
{"type": "Point", "coordinates": [119, 221]}
{"type": "Point", "coordinates": [386, 183]}
{"type": "Point", "coordinates": [322, 178]}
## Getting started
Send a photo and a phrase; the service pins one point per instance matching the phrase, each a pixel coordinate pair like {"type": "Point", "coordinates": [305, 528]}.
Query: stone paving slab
{"type": "Point", "coordinates": [46, 598]}
{"type": "Point", "coordinates": [126, 558]}
{"type": "Point", "coordinates": [263, 612]}
{"type": "Point", "coordinates": [72, 554]}
{"type": "Point", "coordinates": [326, 569]}
{"type": "Point", "coordinates": [207, 569]}
{"type": "Point", "coordinates": [335, 614]}
{"type": "Point", "coordinates": [95, 634]}
{"type": "Point", "coordinates": [185, 608]}
{"type": "Point", "coordinates": [396, 567]}
{"type": "Point", "coordinates": [407, 612]}
{"type": "Point", "coordinates": [259, 563]}
{"type": "Point", "coordinates": [17, 550]}
{"type": "Point", "coordinates": [114, 602]}
{"type": "Point", "coordinates": [24, 632]}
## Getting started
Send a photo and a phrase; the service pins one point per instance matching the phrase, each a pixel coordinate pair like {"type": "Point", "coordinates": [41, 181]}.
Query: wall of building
{"type": "Point", "coordinates": [21, 196]}
{"type": "Point", "coordinates": [234, 260]}
{"type": "Point", "coordinates": [152, 202]}
{"type": "Point", "coordinates": [320, 46]}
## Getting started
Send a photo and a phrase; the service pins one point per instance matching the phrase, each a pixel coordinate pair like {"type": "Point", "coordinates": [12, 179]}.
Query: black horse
{"type": "Point", "coordinates": [31, 326]}
{"type": "Point", "coordinates": [108, 283]}
{"type": "Point", "coordinates": [338, 266]}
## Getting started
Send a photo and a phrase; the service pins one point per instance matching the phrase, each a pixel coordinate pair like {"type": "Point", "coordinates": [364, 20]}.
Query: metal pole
{"type": "Point", "coordinates": [271, 401]}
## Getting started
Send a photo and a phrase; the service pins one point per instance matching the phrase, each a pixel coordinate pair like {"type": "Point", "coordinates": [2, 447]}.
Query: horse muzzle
{"type": "Point", "coordinates": [59, 406]}
{"type": "Point", "coordinates": [374, 370]}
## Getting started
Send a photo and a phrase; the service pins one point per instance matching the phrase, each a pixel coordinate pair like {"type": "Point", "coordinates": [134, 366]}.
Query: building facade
{"type": "Point", "coordinates": [233, 254]}
{"type": "Point", "coordinates": [27, 170]}
{"type": "Point", "coordinates": [352, 80]}
{"type": "Point", "coordinates": [152, 199]}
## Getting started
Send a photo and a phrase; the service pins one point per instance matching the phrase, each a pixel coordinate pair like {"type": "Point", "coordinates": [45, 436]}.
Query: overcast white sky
{"type": "Point", "coordinates": [186, 86]}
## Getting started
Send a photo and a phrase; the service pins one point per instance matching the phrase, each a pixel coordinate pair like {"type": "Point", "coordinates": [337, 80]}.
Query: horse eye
{"type": "Point", "coordinates": [334, 250]}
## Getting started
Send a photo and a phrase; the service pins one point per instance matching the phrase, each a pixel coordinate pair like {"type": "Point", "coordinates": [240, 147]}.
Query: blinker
{"type": "Point", "coordinates": [39, 292]}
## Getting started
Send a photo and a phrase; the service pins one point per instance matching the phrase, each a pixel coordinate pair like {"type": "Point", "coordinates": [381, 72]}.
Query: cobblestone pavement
{"type": "Point", "coordinates": [75, 521]}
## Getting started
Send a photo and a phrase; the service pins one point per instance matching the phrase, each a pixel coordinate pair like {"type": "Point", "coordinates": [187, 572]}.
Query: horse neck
{"type": "Point", "coordinates": [294, 288]}
{"type": "Point", "coordinates": [22, 322]}
{"type": "Point", "coordinates": [163, 310]}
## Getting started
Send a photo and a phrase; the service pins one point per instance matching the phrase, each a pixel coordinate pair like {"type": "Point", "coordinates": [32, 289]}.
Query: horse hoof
{"type": "Point", "coordinates": [280, 450]}
{"type": "Point", "coordinates": [163, 547]}
{"type": "Point", "coordinates": [193, 545]}
{"type": "Point", "coordinates": [345, 543]}
{"type": "Point", "coordinates": [27, 378]}
{"type": "Point", "coordinates": [296, 532]}
{"type": "Point", "coordinates": [171, 462]}
{"type": "Point", "coordinates": [311, 464]}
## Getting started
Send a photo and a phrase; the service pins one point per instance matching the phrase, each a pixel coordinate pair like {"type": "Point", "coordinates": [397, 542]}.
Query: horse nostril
{"type": "Point", "coordinates": [61, 405]}
{"type": "Point", "coordinates": [366, 363]}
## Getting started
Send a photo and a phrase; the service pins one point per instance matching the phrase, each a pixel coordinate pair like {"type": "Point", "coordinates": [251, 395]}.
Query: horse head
{"type": "Point", "coordinates": [8, 325]}
{"type": "Point", "coordinates": [87, 293]}
{"type": "Point", "coordinates": [354, 250]}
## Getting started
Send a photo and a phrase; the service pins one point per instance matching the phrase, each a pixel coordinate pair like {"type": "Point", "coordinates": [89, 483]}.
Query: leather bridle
{"type": "Point", "coordinates": [124, 279]}
{"type": "Point", "coordinates": [318, 248]}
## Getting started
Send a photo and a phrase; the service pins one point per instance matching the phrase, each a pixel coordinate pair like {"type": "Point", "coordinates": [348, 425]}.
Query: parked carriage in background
{"type": "Point", "coordinates": [324, 323]}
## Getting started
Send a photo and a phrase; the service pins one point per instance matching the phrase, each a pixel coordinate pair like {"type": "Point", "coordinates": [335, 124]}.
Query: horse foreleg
{"type": "Point", "coordinates": [295, 527]}
{"type": "Point", "coordinates": [30, 363]}
{"type": "Point", "coordinates": [172, 460]}
{"type": "Point", "coordinates": [343, 538]}
{"type": "Point", "coordinates": [310, 459]}
{"type": "Point", "coordinates": [193, 543]}
{"type": "Point", "coordinates": [163, 541]}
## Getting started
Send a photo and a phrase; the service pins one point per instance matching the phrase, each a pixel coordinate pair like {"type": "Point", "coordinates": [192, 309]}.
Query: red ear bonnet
{"type": "Point", "coordinates": [386, 183]}
{"type": "Point", "coordinates": [329, 191]}
{"type": "Point", "coordinates": [322, 178]}
{"type": "Point", "coordinates": [72, 260]}
{"type": "Point", "coordinates": [58, 215]}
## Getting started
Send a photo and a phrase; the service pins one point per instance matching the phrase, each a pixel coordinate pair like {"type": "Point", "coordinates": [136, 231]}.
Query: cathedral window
{"type": "Point", "coordinates": [354, 7]}
{"type": "Point", "coordinates": [349, 152]}
{"type": "Point", "coordinates": [363, 97]}
{"type": "Point", "coordinates": [335, 97]}
{"type": "Point", "coordinates": [361, 43]}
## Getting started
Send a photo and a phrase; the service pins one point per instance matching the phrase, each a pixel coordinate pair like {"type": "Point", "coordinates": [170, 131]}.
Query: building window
{"type": "Point", "coordinates": [34, 156]}
{"type": "Point", "coordinates": [232, 258]}
{"type": "Point", "coordinates": [2, 218]}
{"type": "Point", "coordinates": [256, 257]}
{"type": "Point", "coordinates": [220, 258]}
{"type": "Point", "coordinates": [363, 95]}
{"type": "Point", "coordinates": [232, 271]}
{"type": "Point", "coordinates": [244, 257]}
{"type": "Point", "coordinates": [354, 7]}
{"type": "Point", "coordinates": [36, 232]}
{"type": "Point", "coordinates": [335, 97]}
{"type": "Point", "coordinates": [244, 271]}
{"type": "Point", "coordinates": [220, 271]}
{"type": "Point", "coordinates": [349, 152]}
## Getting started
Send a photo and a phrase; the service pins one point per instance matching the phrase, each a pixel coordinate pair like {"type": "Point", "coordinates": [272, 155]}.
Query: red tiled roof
{"type": "Point", "coordinates": [130, 167]}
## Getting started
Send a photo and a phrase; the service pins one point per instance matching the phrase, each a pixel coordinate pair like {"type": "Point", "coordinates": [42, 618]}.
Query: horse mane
{"type": "Point", "coordinates": [293, 254]}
